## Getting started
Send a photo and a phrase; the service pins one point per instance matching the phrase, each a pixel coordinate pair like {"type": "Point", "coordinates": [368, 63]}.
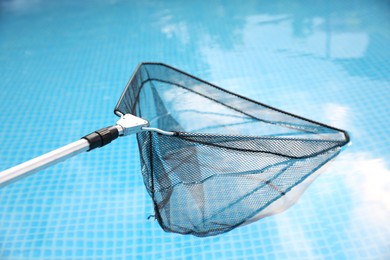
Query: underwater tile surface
{"type": "Point", "coordinates": [64, 64]}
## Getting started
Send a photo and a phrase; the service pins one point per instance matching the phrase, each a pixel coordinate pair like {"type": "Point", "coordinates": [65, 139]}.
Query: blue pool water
{"type": "Point", "coordinates": [64, 64]}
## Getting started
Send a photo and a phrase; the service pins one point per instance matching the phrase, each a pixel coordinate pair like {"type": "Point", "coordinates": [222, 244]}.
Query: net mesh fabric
{"type": "Point", "coordinates": [231, 161]}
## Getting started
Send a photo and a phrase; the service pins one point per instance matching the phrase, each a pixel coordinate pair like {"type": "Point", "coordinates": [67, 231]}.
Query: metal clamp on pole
{"type": "Point", "coordinates": [131, 124]}
{"type": "Point", "coordinates": [126, 125]}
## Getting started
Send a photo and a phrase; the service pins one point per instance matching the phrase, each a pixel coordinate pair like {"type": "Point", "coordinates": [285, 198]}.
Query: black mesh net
{"type": "Point", "coordinates": [231, 161]}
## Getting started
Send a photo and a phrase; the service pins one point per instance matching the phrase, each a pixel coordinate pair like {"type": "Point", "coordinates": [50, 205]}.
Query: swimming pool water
{"type": "Point", "coordinates": [64, 64]}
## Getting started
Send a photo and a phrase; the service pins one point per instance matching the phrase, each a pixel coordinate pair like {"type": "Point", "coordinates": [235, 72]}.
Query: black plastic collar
{"type": "Point", "coordinates": [101, 137]}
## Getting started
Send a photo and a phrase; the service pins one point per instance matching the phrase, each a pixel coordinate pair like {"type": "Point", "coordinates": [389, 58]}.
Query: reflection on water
{"type": "Point", "coordinates": [363, 183]}
{"type": "Point", "coordinates": [372, 189]}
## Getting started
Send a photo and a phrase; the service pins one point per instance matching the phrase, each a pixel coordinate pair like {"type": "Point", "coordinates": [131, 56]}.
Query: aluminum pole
{"type": "Point", "coordinates": [39, 163]}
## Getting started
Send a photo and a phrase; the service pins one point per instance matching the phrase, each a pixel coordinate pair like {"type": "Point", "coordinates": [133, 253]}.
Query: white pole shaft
{"type": "Point", "coordinates": [39, 163]}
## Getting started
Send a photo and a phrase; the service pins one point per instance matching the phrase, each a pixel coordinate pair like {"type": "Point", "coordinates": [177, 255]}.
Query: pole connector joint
{"type": "Point", "coordinates": [129, 124]}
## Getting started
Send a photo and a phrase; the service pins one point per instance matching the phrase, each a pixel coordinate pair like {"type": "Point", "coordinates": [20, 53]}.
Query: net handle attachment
{"type": "Point", "coordinates": [126, 125]}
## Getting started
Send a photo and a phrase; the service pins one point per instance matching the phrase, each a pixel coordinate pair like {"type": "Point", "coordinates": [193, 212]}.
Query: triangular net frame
{"type": "Point", "coordinates": [231, 160]}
